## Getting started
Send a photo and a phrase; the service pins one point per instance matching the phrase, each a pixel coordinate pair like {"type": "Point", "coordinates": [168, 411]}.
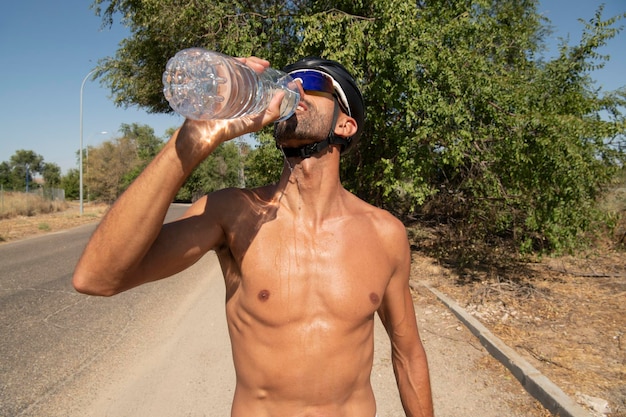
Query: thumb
{"type": "Point", "coordinates": [272, 113]}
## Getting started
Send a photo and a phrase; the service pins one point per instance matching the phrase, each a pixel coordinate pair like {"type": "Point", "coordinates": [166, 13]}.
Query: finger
{"type": "Point", "coordinates": [258, 61]}
{"type": "Point", "coordinates": [272, 113]}
{"type": "Point", "coordinates": [257, 64]}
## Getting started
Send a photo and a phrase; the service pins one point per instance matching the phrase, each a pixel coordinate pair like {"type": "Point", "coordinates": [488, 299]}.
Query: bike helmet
{"type": "Point", "coordinates": [347, 96]}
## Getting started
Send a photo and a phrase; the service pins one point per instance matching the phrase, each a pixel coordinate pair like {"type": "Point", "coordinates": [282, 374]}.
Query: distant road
{"type": "Point", "coordinates": [48, 332]}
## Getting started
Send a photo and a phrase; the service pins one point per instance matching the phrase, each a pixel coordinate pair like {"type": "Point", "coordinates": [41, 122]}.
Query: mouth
{"type": "Point", "coordinates": [301, 106]}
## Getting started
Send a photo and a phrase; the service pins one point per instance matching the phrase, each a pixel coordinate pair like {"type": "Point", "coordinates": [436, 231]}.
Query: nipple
{"type": "Point", "coordinates": [374, 298]}
{"type": "Point", "coordinates": [264, 295]}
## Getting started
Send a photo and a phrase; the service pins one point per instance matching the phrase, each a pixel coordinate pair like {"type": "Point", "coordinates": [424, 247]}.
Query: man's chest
{"type": "Point", "coordinates": [338, 272]}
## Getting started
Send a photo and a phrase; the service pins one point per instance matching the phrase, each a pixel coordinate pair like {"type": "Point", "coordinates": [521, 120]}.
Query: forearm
{"type": "Point", "coordinates": [114, 253]}
{"type": "Point", "coordinates": [414, 385]}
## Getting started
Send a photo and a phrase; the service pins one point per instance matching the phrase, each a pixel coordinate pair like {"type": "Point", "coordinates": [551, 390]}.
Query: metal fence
{"type": "Point", "coordinates": [19, 201]}
{"type": "Point", "coordinates": [54, 194]}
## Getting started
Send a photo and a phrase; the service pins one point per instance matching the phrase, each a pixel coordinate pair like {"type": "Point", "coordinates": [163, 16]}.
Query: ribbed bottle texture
{"type": "Point", "coordinates": [204, 85]}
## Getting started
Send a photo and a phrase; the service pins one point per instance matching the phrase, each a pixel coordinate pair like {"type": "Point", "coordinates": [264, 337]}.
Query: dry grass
{"type": "Point", "coordinates": [13, 204]}
{"type": "Point", "coordinates": [63, 217]}
{"type": "Point", "coordinates": [566, 316]}
{"type": "Point", "coordinates": [615, 203]}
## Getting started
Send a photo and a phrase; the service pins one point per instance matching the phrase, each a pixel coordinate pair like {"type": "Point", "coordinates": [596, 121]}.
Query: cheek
{"type": "Point", "coordinates": [317, 129]}
{"type": "Point", "coordinates": [318, 123]}
{"type": "Point", "coordinates": [312, 126]}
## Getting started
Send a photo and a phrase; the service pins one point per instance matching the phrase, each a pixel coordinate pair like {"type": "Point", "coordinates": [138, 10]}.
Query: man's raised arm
{"type": "Point", "coordinates": [131, 246]}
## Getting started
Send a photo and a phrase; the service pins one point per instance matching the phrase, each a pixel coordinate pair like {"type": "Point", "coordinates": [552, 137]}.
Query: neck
{"type": "Point", "coordinates": [311, 187]}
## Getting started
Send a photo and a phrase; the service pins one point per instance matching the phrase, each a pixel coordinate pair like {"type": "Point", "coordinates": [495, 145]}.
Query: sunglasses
{"type": "Point", "coordinates": [313, 80]}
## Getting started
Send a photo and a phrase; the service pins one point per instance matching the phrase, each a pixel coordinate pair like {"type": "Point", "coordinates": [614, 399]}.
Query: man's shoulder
{"type": "Point", "coordinates": [234, 195]}
{"type": "Point", "coordinates": [229, 206]}
{"type": "Point", "coordinates": [386, 229]}
{"type": "Point", "coordinates": [381, 219]}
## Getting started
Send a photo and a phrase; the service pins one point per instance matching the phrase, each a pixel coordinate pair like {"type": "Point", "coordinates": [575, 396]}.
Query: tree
{"type": "Point", "coordinates": [466, 124]}
{"type": "Point", "coordinates": [52, 174]}
{"type": "Point", "coordinates": [521, 148]}
{"type": "Point", "coordinates": [108, 164]}
{"type": "Point", "coordinates": [70, 182]}
{"type": "Point", "coordinates": [18, 173]}
{"type": "Point", "coordinates": [23, 166]}
{"type": "Point", "coordinates": [221, 169]}
{"type": "Point", "coordinates": [264, 163]}
{"type": "Point", "coordinates": [5, 175]}
{"type": "Point", "coordinates": [112, 166]}
{"type": "Point", "coordinates": [147, 146]}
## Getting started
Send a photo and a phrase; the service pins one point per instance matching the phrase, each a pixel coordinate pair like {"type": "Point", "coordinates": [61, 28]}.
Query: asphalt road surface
{"type": "Point", "coordinates": [163, 349]}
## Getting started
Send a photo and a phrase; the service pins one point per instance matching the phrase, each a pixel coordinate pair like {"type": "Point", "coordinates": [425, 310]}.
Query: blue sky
{"type": "Point", "coordinates": [47, 48]}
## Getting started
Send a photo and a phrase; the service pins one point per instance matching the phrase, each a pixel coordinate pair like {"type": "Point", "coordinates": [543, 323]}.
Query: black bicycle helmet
{"type": "Point", "coordinates": [346, 90]}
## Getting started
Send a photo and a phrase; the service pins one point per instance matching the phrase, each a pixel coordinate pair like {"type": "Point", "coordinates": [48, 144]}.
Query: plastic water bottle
{"type": "Point", "coordinates": [205, 85]}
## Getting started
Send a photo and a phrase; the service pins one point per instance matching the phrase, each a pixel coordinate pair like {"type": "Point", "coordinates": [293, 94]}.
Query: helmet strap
{"type": "Point", "coordinates": [311, 149]}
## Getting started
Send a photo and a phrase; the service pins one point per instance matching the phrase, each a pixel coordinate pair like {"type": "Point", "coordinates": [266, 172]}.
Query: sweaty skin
{"type": "Point", "coordinates": [306, 265]}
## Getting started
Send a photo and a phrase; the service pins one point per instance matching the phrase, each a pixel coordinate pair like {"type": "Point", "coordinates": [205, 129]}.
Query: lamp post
{"type": "Point", "coordinates": [80, 158]}
{"type": "Point", "coordinates": [27, 166]}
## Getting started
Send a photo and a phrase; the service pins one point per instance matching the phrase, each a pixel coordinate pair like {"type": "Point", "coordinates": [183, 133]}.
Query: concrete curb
{"type": "Point", "coordinates": [533, 381]}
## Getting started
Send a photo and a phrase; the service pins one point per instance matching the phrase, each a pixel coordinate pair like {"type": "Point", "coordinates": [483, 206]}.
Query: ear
{"type": "Point", "coordinates": [346, 126]}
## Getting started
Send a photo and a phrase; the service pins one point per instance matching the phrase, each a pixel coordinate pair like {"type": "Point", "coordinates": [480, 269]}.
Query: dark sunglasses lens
{"type": "Point", "coordinates": [314, 81]}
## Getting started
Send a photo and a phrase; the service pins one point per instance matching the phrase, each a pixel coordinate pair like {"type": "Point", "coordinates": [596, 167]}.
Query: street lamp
{"type": "Point", "coordinates": [80, 168]}
{"type": "Point", "coordinates": [27, 166]}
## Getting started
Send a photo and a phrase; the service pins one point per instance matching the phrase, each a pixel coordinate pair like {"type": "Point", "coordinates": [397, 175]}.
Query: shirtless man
{"type": "Point", "coordinates": [306, 264]}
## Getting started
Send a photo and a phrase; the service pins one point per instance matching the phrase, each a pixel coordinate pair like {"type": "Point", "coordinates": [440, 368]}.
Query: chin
{"type": "Point", "coordinates": [285, 130]}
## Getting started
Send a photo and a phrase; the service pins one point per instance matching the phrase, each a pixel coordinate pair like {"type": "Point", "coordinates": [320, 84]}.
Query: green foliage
{"type": "Point", "coordinates": [70, 182]}
{"type": "Point", "coordinates": [111, 167]}
{"type": "Point", "coordinates": [146, 145]}
{"type": "Point", "coordinates": [52, 174]}
{"type": "Point", "coordinates": [222, 169]}
{"type": "Point", "coordinates": [162, 27]}
{"type": "Point", "coordinates": [264, 163]}
{"type": "Point", "coordinates": [466, 124]}
{"type": "Point", "coordinates": [532, 161]}
{"type": "Point", "coordinates": [23, 166]}
{"type": "Point", "coordinates": [5, 175]}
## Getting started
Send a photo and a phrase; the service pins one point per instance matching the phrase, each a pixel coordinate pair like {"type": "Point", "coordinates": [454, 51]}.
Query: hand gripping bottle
{"type": "Point", "coordinates": [206, 85]}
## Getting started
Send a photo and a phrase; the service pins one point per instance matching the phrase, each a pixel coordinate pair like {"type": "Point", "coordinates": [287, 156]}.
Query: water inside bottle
{"type": "Point", "coordinates": [204, 85]}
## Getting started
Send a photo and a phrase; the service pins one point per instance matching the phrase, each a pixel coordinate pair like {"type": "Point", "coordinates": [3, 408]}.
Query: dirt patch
{"type": "Point", "coordinates": [566, 316]}
{"type": "Point", "coordinates": [21, 227]}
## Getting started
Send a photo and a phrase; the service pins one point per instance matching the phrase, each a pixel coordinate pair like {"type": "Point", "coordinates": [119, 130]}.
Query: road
{"type": "Point", "coordinates": [163, 349]}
